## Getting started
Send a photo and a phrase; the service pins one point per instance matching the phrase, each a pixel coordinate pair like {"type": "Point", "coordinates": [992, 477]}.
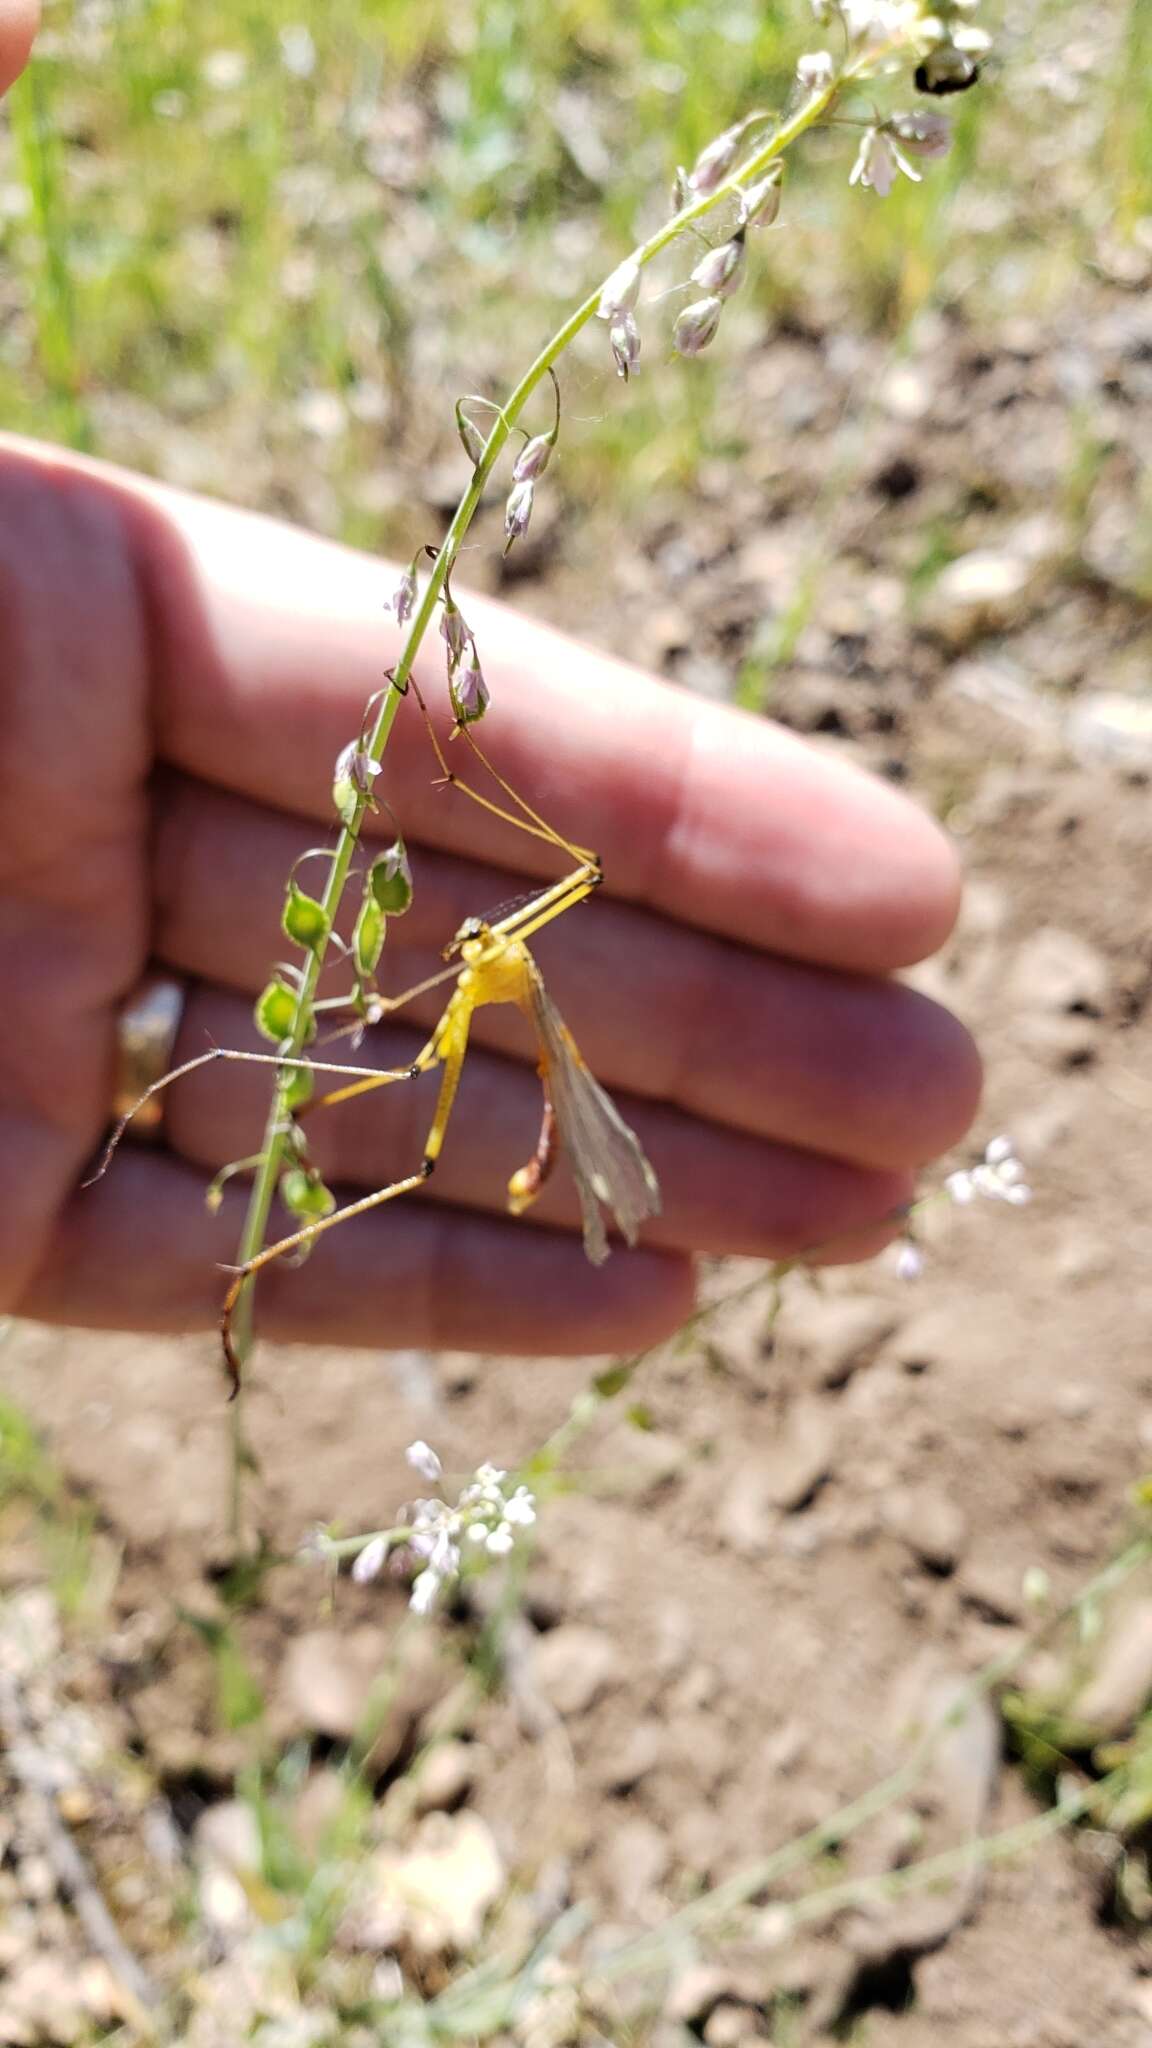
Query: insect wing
{"type": "Point", "coordinates": [607, 1162]}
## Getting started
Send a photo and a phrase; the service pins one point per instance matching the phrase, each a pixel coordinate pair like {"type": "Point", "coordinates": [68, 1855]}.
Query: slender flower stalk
{"type": "Point", "coordinates": [749, 173]}
{"type": "Point", "coordinates": [740, 170]}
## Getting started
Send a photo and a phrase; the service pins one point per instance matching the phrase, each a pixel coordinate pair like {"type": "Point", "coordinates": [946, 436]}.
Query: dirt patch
{"type": "Point", "coordinates": [721, 1620]}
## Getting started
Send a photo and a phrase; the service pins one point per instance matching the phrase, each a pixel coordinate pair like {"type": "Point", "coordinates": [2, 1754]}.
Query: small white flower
{"type": "Point", "coordinates": [423, 1460]}
{"type": "Point", "coordinates": [877, 163]}
{"type": "Point", "coordinates": [999, 1177]}
{"type": "Point", "coordinates": [869, 22]}
{"type": "Point", "coordinates": [520, 1510]}
{"type": "Point", "coordinates": [445, 1556]}
{"type": "Point", "coordinates": [909, 1260]}
{"type": "Point", "coordinates": [370, 1561]}
{"type": "Point", "coordinates": [500, 1540]}
{"type": "Point", "coordinates": [815, 71]}
{"type": "Point", "coordinates": [425, 1593]}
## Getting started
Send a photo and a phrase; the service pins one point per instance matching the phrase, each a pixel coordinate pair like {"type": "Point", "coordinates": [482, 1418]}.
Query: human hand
{"type": "Point", "coordinates": [19, 21]}
{"type": "Point", "coordinates": [179, 679]}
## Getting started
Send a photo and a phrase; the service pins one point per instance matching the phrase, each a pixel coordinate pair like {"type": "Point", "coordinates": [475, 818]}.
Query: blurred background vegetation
{"type": "Point", "coordinates": [258, 248]}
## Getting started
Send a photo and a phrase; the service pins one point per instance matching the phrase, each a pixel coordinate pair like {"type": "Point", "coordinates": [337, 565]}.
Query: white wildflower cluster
{"type": "Point", "coordinates": [486, 1520]}
{"type": "Point", "coordinates": [999, 1177]}
{"type": "Point", "coordinates": [945, 49]}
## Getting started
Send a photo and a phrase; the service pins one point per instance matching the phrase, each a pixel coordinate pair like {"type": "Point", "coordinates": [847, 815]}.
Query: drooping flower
{"type": "Point", "coordinates": [720, 270]}
{"type": "Point", "coordinates": [697, 325]}
{"type": "Point", "coordinates": [402, 602]}
{"type": "Point", "coordinates": [533, 459]}
{"type": "Point", "coordinates": [624, 336]}
{"type": "Point", "coordinates": [518, 512]}
{"type": "Point", "coordinates": [467, 688]}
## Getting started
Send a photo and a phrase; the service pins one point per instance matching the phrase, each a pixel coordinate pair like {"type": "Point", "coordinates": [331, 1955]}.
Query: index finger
{"type": "Point", "coordinates": [19, 21]}
{"type": "Point", "coordinates": [268, 641]}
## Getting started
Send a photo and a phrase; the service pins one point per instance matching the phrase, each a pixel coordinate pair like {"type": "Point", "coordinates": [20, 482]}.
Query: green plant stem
{"type": "Point", "coordinates": [255, 1229]}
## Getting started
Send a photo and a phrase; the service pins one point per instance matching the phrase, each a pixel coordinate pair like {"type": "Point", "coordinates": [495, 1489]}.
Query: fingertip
{"type": "Point", "coordinates": [924, 899]}
{"type": "Point", "coordinates": [19, 21]}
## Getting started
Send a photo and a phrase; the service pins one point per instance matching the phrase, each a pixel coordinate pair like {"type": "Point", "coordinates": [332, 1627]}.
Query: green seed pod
{"type": "Point", "coordinates": [304, 1194]}
{"type": "Point", "coordinates": [390, 880]}
{"type": "Point", "coordinates": [275, 1011]}
{"type": "Point", "coordinates": [368, 937]}
{"type": "Point", "coordinates": [299, 1084]}
{"type": "Point", "coordinates": [305, 921]}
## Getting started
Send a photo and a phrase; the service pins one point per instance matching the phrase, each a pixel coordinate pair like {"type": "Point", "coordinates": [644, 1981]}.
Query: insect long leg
{"type": "Point", "coordinates": [205, 1059]}
{"type": "Point", "coordinates": [528, 820]}
{"type": "Point", "coordinates": [450, 1045]}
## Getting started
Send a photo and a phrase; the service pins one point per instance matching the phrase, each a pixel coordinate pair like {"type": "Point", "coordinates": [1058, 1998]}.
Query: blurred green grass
{"type": "Point", "coordinates": [261, 247]}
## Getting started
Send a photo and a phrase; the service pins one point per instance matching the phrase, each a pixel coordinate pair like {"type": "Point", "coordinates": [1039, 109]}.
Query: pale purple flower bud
{"type": "Point", "coordinates": [402, 602]}
{"type": "Point", "coordinates": [697, 326]}
{"type": "Point", "coordinates": [370, 1561]}
{"type": "Point", "coordinates": [815, 71]}
{"type": "Point", "coordinates": [533, 459]}
{"type": "Point", "coordinates": [760, 205]}
{"type": "Point", "coordinates": [423, 1460]}
{"type": "Point", "coordinates": [721, 269]}
{"type": "Point", "coordinates": [621, 291]}
{"type": "Point", "coordinates": [924, 133]}
{"type": "Point", "coordinates": [517, 512]}
{"type": "Point", "coordinates": [624, 336]}
{"type": "Point", "coordinates": [466, 687]}
{"type": "Point", "coordinates": [454, 630]}
{"type": "Point", "coordinates": [714, 163]}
